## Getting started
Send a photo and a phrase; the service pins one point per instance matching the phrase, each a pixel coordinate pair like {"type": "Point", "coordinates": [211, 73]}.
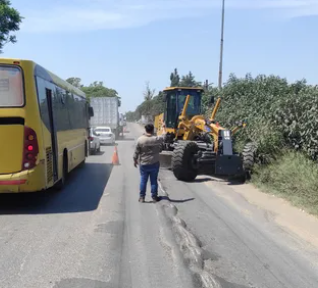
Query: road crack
{"type": "Point", "coordinates": [189, 245]}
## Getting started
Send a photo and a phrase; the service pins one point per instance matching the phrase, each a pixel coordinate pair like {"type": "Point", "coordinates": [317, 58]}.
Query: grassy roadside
{"type": "Point", "coordinates": [293, 177]}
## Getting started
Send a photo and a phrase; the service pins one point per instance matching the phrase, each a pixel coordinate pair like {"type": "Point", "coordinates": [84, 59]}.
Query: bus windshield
{"type": "Point", "coordinates": [11, 87]}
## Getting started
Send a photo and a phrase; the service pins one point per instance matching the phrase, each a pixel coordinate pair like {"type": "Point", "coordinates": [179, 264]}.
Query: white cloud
{"type": "Point", "coordinates": [86, 15]}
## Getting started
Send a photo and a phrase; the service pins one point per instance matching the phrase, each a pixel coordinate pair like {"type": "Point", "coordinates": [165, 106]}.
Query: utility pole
{"type": "Point", "coordinates": [206, 85]}
{"type": "Point", "coordinates": [221, 46]}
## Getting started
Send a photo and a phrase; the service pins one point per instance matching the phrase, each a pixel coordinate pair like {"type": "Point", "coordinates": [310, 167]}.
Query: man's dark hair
{"type": "Point", "coordinates": [149, 128]}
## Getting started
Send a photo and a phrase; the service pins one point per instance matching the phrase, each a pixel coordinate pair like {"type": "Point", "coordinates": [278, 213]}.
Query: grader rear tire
{"type": "Point", "coordinates": [182, 163]}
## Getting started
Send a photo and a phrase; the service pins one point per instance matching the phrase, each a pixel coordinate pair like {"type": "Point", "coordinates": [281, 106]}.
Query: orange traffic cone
{"type": "Point", "coordinates": [115, 160]}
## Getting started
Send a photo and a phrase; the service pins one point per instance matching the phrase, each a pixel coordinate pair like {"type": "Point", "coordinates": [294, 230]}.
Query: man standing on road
{"type": "Point", "coordinates": [147, 154]}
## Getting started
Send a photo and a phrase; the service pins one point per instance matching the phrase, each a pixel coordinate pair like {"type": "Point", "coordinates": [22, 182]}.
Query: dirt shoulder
{"type": "Point", "coordinates": [281, 212]}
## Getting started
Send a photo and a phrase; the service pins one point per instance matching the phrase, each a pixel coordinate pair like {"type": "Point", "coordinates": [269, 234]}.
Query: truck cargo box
{"type": "Point", "coordinates": [105, 112]}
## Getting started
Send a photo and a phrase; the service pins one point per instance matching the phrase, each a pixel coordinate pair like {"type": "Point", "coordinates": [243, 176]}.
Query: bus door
{"type": "Point", "coordinates": [54, 154]}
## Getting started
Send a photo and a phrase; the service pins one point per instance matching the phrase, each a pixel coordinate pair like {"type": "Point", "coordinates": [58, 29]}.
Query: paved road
{"type": "Point", "coordinates": [95, 234]}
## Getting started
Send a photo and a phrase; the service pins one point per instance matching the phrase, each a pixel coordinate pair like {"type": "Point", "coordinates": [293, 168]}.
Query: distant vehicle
{"type": "Point", "coordinates": [105, 113]}
{"type": "Point", "coordinates": [44, 124]}
{"type": "Point", "coordinates": [106, 136]}
{"type": "Point", "coordinates": [94, 141]}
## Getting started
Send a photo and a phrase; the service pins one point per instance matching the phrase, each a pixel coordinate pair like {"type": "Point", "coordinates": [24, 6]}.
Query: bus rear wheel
{"type": "Point", "coordinates": [60, 185]}
{"type": "Point", "coordinates": [86, 153]}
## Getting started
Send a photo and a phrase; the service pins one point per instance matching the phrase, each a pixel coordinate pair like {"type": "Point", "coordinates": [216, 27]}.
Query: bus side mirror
{"type": "Point", "coordinates": [212, 100]}
{"type": "Point", "coordinates": [90, 111]}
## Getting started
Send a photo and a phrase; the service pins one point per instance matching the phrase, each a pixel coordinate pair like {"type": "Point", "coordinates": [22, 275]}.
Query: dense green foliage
{"type": "Point", "coordinates": [10, 20]}
{"type": "Point", "coordinates": [96, 89]}
{"type": "Point", "coordinates": [75, 81]}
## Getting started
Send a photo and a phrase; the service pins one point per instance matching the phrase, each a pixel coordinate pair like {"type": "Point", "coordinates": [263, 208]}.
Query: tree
{"type": "Point", "coordinates": [131, 116]}
{"type": "Point", "coordinates": [10, 20]}
{"type": "Point", "coordinates": [148, 93]}
{"type": "Point", "coordinates": [174, 78]}
{"type": "Point", "coordinates": [157, 105]}
{"type": "Point", "coordinates": [189, 81]}
{"type": "Point", "coordinates": [75, 81]}
{"type": "Point", "coordinates": [97, 89]}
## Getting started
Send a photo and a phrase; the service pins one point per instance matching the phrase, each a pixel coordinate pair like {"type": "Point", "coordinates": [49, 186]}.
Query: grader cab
{"type": "Point", "coordinates": [195, 145]}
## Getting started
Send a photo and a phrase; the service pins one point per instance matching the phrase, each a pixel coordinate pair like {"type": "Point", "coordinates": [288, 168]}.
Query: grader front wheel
{"type": "Point", "coordinates": [183, 161]}
{"type": "Point", "coordinates": [248, 159]}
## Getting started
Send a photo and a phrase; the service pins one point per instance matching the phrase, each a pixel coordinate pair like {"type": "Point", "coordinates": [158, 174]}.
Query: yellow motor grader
{"type": "Point", "coordinates": [195, 145]}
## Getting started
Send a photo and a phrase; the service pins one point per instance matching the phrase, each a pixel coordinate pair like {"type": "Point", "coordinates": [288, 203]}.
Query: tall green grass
{"type": "Point", "coordinates": [292, 176]}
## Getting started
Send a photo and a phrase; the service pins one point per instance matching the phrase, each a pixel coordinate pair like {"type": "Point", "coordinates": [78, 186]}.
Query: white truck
{"type": "Point", "coordinates": [105, 113]}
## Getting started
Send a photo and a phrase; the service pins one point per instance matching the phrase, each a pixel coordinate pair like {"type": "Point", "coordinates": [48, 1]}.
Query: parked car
{"type": "Point", "coordinates": [106, 136]}
{"type": "Point", "coordinates": [94, 142]}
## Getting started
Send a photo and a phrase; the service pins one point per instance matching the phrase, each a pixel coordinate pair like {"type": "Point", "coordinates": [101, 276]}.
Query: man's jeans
{"type": "Point", "coordinates": [147, 171]}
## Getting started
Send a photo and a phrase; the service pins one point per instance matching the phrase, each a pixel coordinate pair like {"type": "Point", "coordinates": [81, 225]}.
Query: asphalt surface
{"type": "Point", "coordinates": [95, 234]}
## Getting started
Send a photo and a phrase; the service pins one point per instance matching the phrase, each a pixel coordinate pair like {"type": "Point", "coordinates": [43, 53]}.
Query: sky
{"type": "Point", "coordinates": [126, 43]}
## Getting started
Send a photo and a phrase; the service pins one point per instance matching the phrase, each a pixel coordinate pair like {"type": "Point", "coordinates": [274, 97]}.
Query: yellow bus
{"type": "Point", "coordinates": [44, 124]}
